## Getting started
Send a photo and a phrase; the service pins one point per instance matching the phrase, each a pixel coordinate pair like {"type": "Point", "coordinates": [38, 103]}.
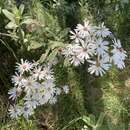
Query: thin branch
{"type": "Point", "coordinates": [10, 49]}
{"type": "Point", "coordinates": [8, 35]}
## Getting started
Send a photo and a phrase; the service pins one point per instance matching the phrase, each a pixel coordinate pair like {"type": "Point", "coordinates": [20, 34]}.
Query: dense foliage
{"type": "Point", "coordinates": [39, 30]}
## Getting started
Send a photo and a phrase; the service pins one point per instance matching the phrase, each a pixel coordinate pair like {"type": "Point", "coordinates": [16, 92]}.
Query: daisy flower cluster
{"type": "Point", "coordinates": [34, 85]}
{"type": "Point", "coordinates": [97, 46]}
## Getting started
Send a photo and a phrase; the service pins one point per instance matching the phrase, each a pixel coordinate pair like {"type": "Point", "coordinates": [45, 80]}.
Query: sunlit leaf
{"type": "Point", "coordinates": [44, 56]}
{"type": "Point", "coordinates": [55, 44]}
{"type": "Point", "coordinates": [11, 25]}
{"type": "Point", "coordinates": [34, 45]}
{"type": "Point", "coordinates": [52, 55]}
{"type": "Point", "coordinates": [87, 120]}
{"type": "Point", "coordinates": [9, 15]}
{"type": "Point", "coordinates": [28, 21]}
{"type": "Point", "coordinates": [21, 8]}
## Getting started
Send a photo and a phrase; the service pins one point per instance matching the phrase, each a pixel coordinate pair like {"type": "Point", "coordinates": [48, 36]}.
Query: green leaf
{"type": "Point", "coordinates": [11, 25]}
{"type": "Point", "coordinates": [87, 120]}
{"type": "Point", "coordinates": [9, 15]}
{"type": "Point", "coordinates": [55, 44]}
{"type": "Point", "coordinates": [0, 10]}
{"type": "Point", "coordinates": [44, 56]}
{"type": "Point", "coordinates": [21, 8]}
{"type": "Point", "coordinates": [71, 122]}
{"type": "Point", "coordinates": [100, 120]}
{"type": "Point", "coordinates": [93, 119]}
{"type": "Point", "coordinates": [28, 20]}
{"type": "Point", "coordinates": [103, 127]}
{"type": "Point", "coordinates": [66, 62]}
{"type": "Point", "coordinates": [64, 33]}
{"type": "Point", "coordinates": [47, 56]}
{"type": "Point", "coordinates": [85, 128]}
{"type": "Point", "coordinates": [16, 12]}
{"type": "Point", "coordinates": [52, 55]}
{"type": "Point", "coordinates": [115, 127]}
{"type": "Point", "coordinates": [34, 45]}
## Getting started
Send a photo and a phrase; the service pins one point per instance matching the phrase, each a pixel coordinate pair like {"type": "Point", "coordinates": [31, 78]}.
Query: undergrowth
{"type": "Point", "coordinates": [88, 94]}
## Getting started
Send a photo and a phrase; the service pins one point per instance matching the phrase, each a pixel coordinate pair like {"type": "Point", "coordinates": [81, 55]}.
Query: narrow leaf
{"type": "Point", "coordinates": [87, 120]}
{"type": "Point", "coordinates": [44, 56]}
{"type": "Point", "coordinates": [9, 15]}
{"type": "Point", "coordinates": [11, 25]}
{"type": "Point", "coordinates": [34, 45]}
{"type": "Point", "coordinates": [100, 120]}
{"type": "Point", "coordinates": [21, 8]}
{"type": "Point", "coordinates": [53, 55]}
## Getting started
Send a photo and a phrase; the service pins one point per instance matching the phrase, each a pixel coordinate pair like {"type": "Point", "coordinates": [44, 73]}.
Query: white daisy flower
{"type": "Point", "coordinates": [87, 50]}
{"type": "Point", "coordinates": [27, 111]}
{"type": "Point", "coordinates": [68, 50]}
{"type": "Point", "coordinates": [24, 66]}
{"type": "Point", "coordinates": [38, 87]}
{"type": "Point", "coordinates": [58, 91]}
{"type": "Point", "coordinates": [31, 101]}
{"type": "Point", "coordinates": [37, 73]}
{"type": "Point", "coordinates": [40, 98]}
{"type": "Point", "coordinates": [120, 64]}
{"type": "Point", "coordinates": [53, 62]}
{"type": "Point", "coordinates": [17, 79]}
{"type": "Point", "coordinates": [90, 42]}
{"type": "Point", "coordinates": [45, 98]}
{"type": "Point", "coordinates": [118, 50]}
{"type": "Point", "coordinates": [48, 73]}
{"type": "Point", "coordinates": [43, 73]}
{"type": "Point", "coordinates": [84, 30]}
{"type": "Point", "coordinates": [30, 85]}
{"type": "Point", "coordinates": [53, 100]}
{"type": "Point", "coordinates": [14, 92]}
{"type": "Point", "coordinates": [119, 54]}
{"type": "Point", "coordinates": [76, 49]}
{"type": "Point", "coordinates": [72, 52]}
{"type": "Point", "coordinates": [14, 111]}
{"type": "Point", "coordinates": [66, 89]}
{"type": "Point", "coordinates": [102, 31]}
{"type": "Point", "coordinates": [118, 61]}
{"type": "Point", "coordinates": [102, 46]}
{"type": "Point", "coordinates": [100, 66]}
{"type": "Point", "coordinates": [75, 60]}
{"type": "Point", "coordinates": [49, 87]}
{"type": "Point", "coordinates": [75, 36]}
